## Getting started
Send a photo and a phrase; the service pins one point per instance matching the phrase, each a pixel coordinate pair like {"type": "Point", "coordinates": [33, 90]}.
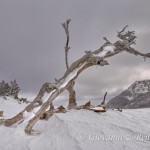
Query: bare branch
{"type": "Point", "coordinates": [65, 25]}
{"type": "Point", "coordinates": [123, 29]}
{"type": "Point", "coordinates": [128, 38]}
{"type": "Point", "coordinates": [72, 93]}
{"type": "Point", "coordinates": [106, 40]}
{"type": "Point", "coordinates": [135, 52]}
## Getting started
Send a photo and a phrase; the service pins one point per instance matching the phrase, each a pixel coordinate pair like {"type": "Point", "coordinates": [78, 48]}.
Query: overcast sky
{"type": "Point", "coordinates": [32, 42]}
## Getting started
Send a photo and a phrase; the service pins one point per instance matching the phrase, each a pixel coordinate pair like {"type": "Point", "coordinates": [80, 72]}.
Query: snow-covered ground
{"type": "Point", "coordinates": [79, 130]}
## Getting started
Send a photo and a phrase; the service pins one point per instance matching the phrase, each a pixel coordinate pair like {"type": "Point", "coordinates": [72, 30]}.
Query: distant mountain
{"type": "Point", "coordinates": [136, 96]}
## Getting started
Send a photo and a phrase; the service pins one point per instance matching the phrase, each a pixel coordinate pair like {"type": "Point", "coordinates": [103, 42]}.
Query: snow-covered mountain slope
{"type": "Point", "coordinates": [139, 87]}
{"type": "Point", "coordinates": [80, 130]}
{"type": "Point", "coordinates": [136, 96]}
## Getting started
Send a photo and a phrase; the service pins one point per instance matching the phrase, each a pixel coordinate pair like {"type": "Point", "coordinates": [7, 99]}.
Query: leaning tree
{"type": "Point", "coordinates": [49, 91]}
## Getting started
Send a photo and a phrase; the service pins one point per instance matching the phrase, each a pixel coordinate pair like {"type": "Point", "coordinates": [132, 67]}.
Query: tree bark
{"type": "Point", "coordinates": [72, 95]}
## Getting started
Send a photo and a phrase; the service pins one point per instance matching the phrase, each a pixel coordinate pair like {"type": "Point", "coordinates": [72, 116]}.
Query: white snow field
{"type": "Point", "coordinates": [79, 130]}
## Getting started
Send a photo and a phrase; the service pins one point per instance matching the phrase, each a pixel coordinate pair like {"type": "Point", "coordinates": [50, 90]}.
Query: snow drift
{"type": "Point", "coordinates": [79, 130]}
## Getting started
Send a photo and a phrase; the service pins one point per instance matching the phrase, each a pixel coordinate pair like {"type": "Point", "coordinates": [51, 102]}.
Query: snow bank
{"type": "Point", "coordinates": [82, 130]}
{"type": "Point", "coordinates": [11, 107]}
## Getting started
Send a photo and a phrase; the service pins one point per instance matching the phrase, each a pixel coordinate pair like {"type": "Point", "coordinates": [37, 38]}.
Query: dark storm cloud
{"type": "Point", "coordinates": [32, 41]}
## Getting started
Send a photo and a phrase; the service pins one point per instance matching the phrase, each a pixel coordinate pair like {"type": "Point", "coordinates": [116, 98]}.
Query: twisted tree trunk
{"type": "Point", "coordinates": [72, 95]}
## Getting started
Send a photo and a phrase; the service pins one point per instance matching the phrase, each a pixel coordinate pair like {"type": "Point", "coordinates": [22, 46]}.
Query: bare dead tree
{"type": "Point", "coordinates": [70, 88]}
{"type": "Point", "coordinates": [91, 58]}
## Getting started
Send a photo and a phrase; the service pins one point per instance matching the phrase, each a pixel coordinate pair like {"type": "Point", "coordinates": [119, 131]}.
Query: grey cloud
{"type": "Point", "coordinates": [32, 41]}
